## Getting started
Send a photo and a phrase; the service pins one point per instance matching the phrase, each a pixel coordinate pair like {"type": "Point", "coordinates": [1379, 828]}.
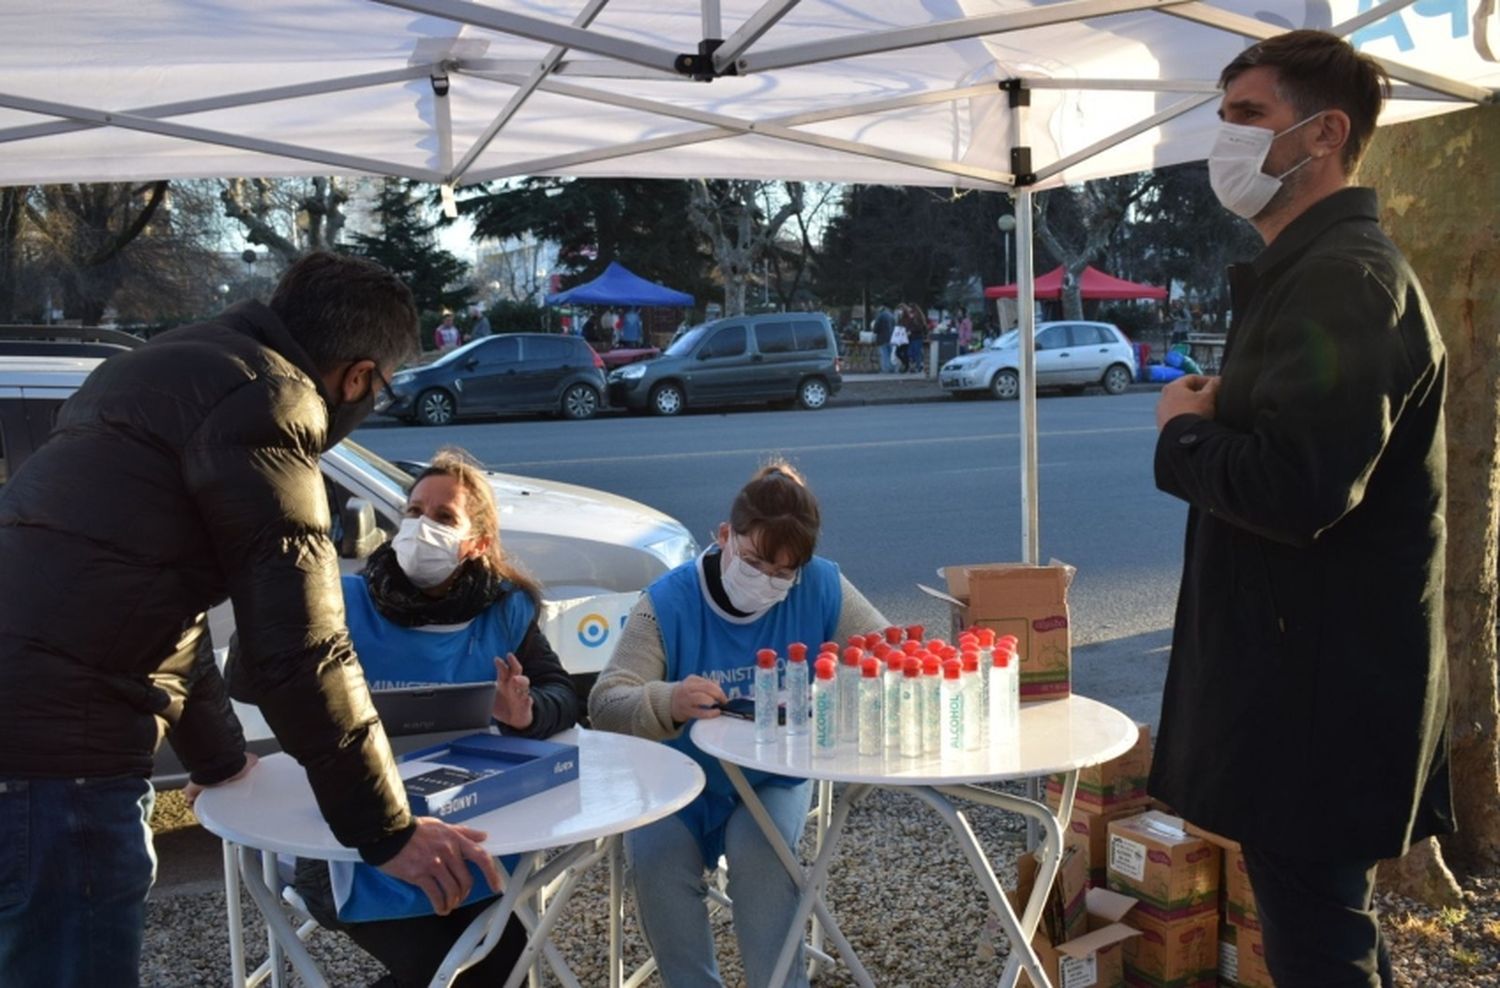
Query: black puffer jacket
{"type": "Point", "coordinates": [182, 472]}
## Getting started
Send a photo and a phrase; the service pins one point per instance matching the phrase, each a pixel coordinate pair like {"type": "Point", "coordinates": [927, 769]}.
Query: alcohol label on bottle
{"type": "Point", "coordinates": [1127, 857]}
{"type": "Point", "coordinates": [1078, 972]}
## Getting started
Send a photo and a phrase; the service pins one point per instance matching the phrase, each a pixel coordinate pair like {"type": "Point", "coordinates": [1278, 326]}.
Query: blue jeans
{"type": "Point", "coordinates": [667, 874]}
{"type": "Point", "coordinates": [76, 863]}
{"type": "Point", "coordinates": [884, 349]}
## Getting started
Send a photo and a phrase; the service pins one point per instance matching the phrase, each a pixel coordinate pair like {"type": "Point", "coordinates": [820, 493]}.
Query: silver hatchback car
{"type": "Point", "coordinates": [1069, 355]}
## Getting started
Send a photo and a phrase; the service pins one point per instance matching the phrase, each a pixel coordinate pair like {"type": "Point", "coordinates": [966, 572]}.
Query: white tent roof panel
{"type": "Point", "coordinates": [831, 90]}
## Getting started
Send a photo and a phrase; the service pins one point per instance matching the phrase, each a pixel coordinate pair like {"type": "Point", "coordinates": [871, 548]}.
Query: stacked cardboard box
{"type": "Point", "coordinates": [1242, 949]}
{"type": "Point", "coordinates": [1108, 792]}
{"type": "Point", "coordinates": [1174, 876]}
{"type": "Point", "coordinates": [1079, 939]}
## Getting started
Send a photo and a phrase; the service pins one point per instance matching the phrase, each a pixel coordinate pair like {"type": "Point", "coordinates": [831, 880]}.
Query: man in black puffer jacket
{"type": "Point", "coordinates": [181, 473]}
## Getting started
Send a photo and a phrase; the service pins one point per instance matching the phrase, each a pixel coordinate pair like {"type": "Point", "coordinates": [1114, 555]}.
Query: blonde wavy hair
{"type": "Point", "coordinates": [483, 512]}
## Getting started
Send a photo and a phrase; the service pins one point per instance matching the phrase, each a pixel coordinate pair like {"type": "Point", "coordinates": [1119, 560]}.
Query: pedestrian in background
{"type": "Point", "coordinates": [446, 335]}
{"type": "Point", "coordinates": [481, 325]}
{"type": "Point", "coordinates": [1308, 653]}
{"type": "Point", "coordinates": [630, 328]}
{"type": "Point", "coordinates": [884, 325]}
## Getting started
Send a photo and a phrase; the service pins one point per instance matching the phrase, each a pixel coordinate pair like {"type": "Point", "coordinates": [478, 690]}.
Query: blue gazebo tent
{"type": "Point", "coordinates": [618, 285]}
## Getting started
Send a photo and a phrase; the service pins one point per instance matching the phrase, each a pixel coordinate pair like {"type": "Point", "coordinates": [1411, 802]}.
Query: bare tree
{"type": "Point", "coordinates": [733, 216]}
{"type": "Point", "coordinates": [289, 217]}
{"type": "Point", "coordinates": [1076, 223]}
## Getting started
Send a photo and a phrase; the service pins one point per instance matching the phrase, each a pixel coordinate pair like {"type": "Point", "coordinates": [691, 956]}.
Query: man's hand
{"type": "Point", "coordinates": [192, 790]}
{"type": "Point", "coordinates": [512, 694]}
{"type": "Point", "coordinates": [433, 860]}
{"type": "Point", "coordinates": [1192, 394]}
{"type": "Point", "coordinates": [694, 699]}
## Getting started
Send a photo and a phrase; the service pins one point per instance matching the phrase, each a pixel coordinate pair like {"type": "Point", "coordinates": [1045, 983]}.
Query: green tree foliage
{"type": "Point", "coordinates": [407, 246]}
{"type": "Point", "coordinates": [642, 223]}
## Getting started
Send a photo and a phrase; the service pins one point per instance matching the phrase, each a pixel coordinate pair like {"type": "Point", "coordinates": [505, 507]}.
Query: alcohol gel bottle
{"type": "Point", "coordinates": [974, 701]}
{"type": "Point", "coordinates": [765, 696]}
{"type": "Point", "coordinates": [1005, 698]}
{"type": "Point", "coordinates": [797, 700]}
{"type": "Point", "coordinates": [932, 716]}
{"type": "Point", "coordinates": [825, 700]}
{"type": "Point", "coordinates": [953, 717]}
{"type": "Point", "coordinates": [910, 710]}
{"type": "Point", "coordinates": [871, 708]}
{"type": "Point", "coordinates": [894, 664]}
{"type": "Point", "coordinates": [849, 695]}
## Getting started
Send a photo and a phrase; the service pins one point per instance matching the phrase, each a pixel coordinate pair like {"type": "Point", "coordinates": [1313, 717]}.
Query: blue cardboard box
{"type": "Point", "coordinates": [483, 772]}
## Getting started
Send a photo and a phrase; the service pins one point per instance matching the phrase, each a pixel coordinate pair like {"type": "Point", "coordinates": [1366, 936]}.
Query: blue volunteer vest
{"type": "Point", "coordinates": [699, 640]}
{"type": "Point", "coordinates": [394, 657]}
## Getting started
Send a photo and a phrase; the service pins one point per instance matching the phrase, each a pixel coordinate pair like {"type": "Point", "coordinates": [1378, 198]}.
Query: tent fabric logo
{"type": "Point", "coordinates": [593, 630]}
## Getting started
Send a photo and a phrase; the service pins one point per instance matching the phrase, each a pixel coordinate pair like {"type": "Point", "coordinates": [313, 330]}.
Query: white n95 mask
{"type": "Point", "coordinates": [426, 551]}
{"type": "Point", "coordinates": [748, 589]}
{"type": "Point", "coordinates": [1234, 167]}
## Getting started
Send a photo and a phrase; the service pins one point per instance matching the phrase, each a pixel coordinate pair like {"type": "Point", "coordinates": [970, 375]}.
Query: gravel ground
{"type": "Point", "coordinates": [900, 888]}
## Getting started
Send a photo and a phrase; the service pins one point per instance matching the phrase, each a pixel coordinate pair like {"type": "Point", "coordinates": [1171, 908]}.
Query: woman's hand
{"type": "Point", "coordinates": [512, 693]}
{"type": "Point", "coordinates": [694, 699]}
{"type": "Point", "coordinates": [193, 790]}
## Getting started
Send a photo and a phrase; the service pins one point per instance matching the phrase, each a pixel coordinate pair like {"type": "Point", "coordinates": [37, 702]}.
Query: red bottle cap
{"type": "Point", "coordinates": [869, 668]}
{"type": "Point", "coordinates": [881, 650]}
{"type": "Point", "coordinates": [829, 647]}
{"type": "Point", "coordinates": [766, 658]}
{"type": "Point", "coordinates": [937, 645]}
{"type": "Point", "coordinates": [1001, 657]}
{"type": "Point", "coordinates": [852, 655]}
{"type": "Point", "coordinates": [911, 647]}
{"type": "Point", "coordinates": [986, 637]}
{"type": "Point", "coordinates": [951, 670]}
{"type": "Point", "coordinates": [797, 652]}
{"type": "Point", "coordinates": [914, 632]}
{"type": "Point", "coordinates": [872, 639]}
{"type": "Point", "coordinates": [1010, 640]}
{"type": "Point", "coordinates": [930, 665]}
{"type": "Point", "coordinates": [968, 640]}
{"type": "Point", "coordinates": [912, 668]}
{"type": "Point", "coordinates": [971, 660]}
{"type": "Point", "coordinates": [825, 668]}
{"type": "Point", "coordinates": [949, 652]}
{"type": "Point", "coordinates": [893, 635]}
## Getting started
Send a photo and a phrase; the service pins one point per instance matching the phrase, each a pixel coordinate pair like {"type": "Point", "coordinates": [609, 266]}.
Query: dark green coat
{"type": "Point", "coordinates": [1306, 703]}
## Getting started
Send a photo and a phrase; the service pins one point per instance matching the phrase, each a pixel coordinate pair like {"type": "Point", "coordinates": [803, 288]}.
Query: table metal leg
{"type": "Point", "coordinates": [824, 815]}
{"type": "Point", "coordinates": [234, 915]}
{"type": "Point", "coordinates": [616, 913]}
{"type": "Point", "coordinates": [810, 883]}
{"type": "Point", "coordinates": [279, 929]}
{"type": "Point", "coordinates": [274, 955]}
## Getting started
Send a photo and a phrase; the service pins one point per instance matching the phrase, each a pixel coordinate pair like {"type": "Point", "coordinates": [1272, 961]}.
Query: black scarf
{"type": "Point", "coordinates": [402, 602]}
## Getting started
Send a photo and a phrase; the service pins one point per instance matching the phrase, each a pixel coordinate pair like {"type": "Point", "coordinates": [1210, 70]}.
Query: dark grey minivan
{"type": "Point", "coordinates": [774, 357]}
{"type": "Point", "coordinates": [511, 372]}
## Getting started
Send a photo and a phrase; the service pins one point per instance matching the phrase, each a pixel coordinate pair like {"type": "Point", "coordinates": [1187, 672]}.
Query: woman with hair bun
{"type": "Point", "coordinates": [688, 645]}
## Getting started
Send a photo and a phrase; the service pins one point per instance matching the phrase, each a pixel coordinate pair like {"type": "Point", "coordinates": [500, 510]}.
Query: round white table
{"type": "Point", "coordinates": [1054, 737]}
{"type": "Point", "coordinates": [623, 783]}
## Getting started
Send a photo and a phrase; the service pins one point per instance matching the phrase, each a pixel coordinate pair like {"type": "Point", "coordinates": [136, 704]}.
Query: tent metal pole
{"type": "Point", "coordinates": [1031, 550]}
{"type": "Point", "coordinates": [713, 22]}
{"type": "Point", "coordinates": [751, 31]}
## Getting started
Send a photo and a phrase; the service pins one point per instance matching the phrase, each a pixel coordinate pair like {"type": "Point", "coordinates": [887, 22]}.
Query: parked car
{"type": "Point", "coordinates": [1069, 355]}
{"type": "Point", "coordinates": [593, 552]}
{"type": "Point", "coordinates": [775, 357]}
{"type": "Point", "coordinates": [512, 372]}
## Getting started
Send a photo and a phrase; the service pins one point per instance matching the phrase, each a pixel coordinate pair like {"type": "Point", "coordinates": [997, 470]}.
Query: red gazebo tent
{"type": "Point", "coordinates": [1095, 283]}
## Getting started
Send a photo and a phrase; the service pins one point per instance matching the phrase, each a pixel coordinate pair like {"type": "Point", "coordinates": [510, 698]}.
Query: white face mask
{"type": "Point", "coordinates": [426, 551]}
{"type": "Point", "coordinates": [748, 589]}
{"type": "Point", "coordinates": [1234, 167]}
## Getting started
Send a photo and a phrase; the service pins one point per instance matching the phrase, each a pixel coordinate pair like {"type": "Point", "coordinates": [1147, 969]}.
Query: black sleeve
{"type": "Point", "coordinates": [554, 704]}
{"type": "Point", "coordinates": [207, 737]}
{"type": "Point", "coordinates": [1337, 378]}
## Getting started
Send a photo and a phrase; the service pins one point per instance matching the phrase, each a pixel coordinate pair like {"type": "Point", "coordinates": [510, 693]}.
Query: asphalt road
{"type": "Point", "coordinates": [905, 489]}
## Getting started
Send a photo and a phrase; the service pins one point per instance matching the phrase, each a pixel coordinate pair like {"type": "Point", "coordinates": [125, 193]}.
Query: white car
{"type": "Point", "coordinates": [1068, 355]}
{"type": "Point", "coordinates": [592, 551]}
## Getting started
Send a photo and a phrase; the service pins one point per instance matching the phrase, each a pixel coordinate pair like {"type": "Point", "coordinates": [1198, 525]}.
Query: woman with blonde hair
{"type": "Point", "coordinates": [689, 645]}
{"type": "Point", "coordinates": [441, 603]}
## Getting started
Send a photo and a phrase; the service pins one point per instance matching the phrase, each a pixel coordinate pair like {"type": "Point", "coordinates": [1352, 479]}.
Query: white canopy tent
{"type": "Point", "coordinates": [1016, 95]}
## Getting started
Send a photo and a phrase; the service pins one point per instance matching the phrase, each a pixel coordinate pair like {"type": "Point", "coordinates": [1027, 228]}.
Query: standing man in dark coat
{"type": "Point", "coordinates": [1306, 702]}
{"type": "Point", "coordinates": [180, 473]}
{"type": "Point", "coordinates": [884, 325]}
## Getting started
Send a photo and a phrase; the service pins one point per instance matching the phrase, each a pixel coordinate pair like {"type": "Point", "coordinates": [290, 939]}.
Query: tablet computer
{"type": "Point", "coordinates": [417, 716]}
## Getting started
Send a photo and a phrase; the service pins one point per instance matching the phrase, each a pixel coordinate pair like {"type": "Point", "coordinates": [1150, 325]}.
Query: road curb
{"type": "Point", "coordinates": [921, 393]}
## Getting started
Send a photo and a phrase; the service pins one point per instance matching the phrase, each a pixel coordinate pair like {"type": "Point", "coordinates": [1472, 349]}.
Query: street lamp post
{"type": "Point", "coordinates": [1007, 225]}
